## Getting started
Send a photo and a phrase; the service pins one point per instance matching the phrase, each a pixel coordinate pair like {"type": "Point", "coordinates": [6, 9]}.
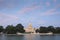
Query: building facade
{"type": "Point", "coordinates": [30, 29]}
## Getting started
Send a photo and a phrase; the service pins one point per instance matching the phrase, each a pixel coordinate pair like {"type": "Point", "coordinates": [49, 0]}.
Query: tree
{"type": "Point", "coordinates": [57, 30]}
{"type": "Point", "coordinates": [51, 29]}
{"type": "Point", "coordinates": [37, 30]}
{"type": "Point", "coordinates": [10, 29]}
{"type": "Point", "coordinates": [1, 28]}
{"type": "Point", "coordinates": [43, 29]}
{"type": "Point", "coordinates": [20, 28]}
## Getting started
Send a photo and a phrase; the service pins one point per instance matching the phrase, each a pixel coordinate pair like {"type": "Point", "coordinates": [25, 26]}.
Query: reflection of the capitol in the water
{"type": "Point", "coordinates": [29, 37]}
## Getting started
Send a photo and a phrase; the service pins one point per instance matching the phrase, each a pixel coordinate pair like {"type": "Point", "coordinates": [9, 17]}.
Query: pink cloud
{"type": "Point", "coordinates": [4, 18]}
{"type": "Point", "coordinates": [41, 3]}
{"type": "Point", "coordinates": [41, 21]}
{"type": "Point", "coordinates": [1, 0]}
{"type": "Point", "coordinates": [27, 9]}
{"type": "Point", "coordinates": [57, 6]}
{"type": "Point", "coordinates": [10, 6]}
{"type": "Point", "coordinates": [49, 12]}
{"type": "Point", "coordinates": [55, 0]}
{"type": "Point", "coordinates": [48, 3]}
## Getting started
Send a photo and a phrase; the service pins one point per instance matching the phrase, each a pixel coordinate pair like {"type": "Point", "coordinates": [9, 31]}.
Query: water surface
{"type": "Point", "coordinates": [29, 37]}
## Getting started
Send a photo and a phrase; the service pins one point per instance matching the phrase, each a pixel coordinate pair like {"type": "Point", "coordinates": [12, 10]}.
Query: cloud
{"type": "Point", "coordinates": [27, 9]}
{"type": "Point", "coordinates": [48, 3]}
{"type": "Point", "coordinates": [41, 22]}
{"type": "Point", "coordinates": [57, 6]}
{"type": "Point", "coordinates": [1, 0]}
{"type": "Point", "coordinates": [7, 4]}
{"type": "Point", "coordinates": [54, 0]}
{"type": "Point", "coordinates": [41, 3]}
{"type": "Point", "coordinates": [51, 11]}
{"type": "Point", "coordinates": [5, 18]}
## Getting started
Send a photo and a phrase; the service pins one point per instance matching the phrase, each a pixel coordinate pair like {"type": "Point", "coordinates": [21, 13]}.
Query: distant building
{"type": "Point", "coordinates": [30, 29]}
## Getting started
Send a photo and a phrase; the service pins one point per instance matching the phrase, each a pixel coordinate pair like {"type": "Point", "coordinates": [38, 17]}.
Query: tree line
{"type": "Point", "coordinates": [42, 29]}
{"type": "Point", "coordinates": [10, 29]}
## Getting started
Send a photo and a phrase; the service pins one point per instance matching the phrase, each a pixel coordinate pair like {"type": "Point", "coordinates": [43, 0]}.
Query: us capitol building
{"type": "Point", "coordinates": [30, 29]}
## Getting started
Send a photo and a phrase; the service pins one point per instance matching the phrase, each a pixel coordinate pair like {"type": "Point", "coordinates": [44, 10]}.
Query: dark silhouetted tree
{"type": "Point", "coordinates": [37, 30]}
{"type": "Point", "coordinates": [10, 29]}
{"type": "Point", "coordinates": [43, 29]}
{"type": "Point", "coordinates": [1, 28]}
{"type": "Point", "coordinates": [57, 30]}
{"type": "Point", "coordinates": [51, 29]}
{"type": "Point", "coordinates": [20, 28]}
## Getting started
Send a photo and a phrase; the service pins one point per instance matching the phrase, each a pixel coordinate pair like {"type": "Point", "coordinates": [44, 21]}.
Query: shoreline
{"type": "Point", "coordinates": [42, 34]}
{"type": "Point", "coordinates": [26, 34]}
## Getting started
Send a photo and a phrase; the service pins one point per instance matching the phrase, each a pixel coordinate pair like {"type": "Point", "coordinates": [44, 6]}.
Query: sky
{"type": "Point", "coordinates": [35, 12]}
